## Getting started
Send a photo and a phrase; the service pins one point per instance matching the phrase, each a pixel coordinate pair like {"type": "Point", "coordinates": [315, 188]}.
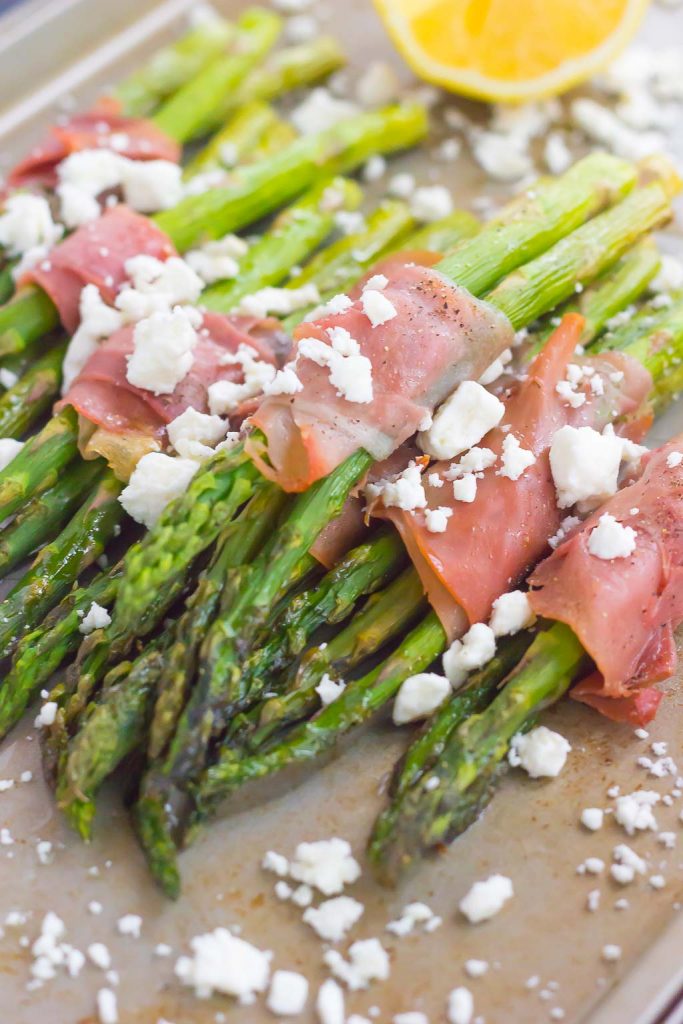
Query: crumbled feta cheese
{"type": "Point", "coordinates": [584, 464]}
{"type": "Point", "coordinates": [593, 900]}
{"type": "Point", "coordinates": [225, 395]}
{"type": "Point", "coordinates": [410, 1017]}
{"type": "Point", "coordinates": [611, 539]}
{"type": "Point", "coordinates": [496, 368]}
{"type": "Point", "coordinates": [350, 372]}
{"type": "Point", "coordinates": [217, 260]}
{"type": "Point", "coordinates": [99, 955]}
{"type": "Point", "coordinates": [283, 890]}
{"type": "Point", "coordinates": [566, 526]}
{"type": "Point", "coordinates": [162, 354]}
{"type": "Point", "coordinates": [634, 810]}
{"type": "Point", "coordinates": [405, 491]}
{"type": "Point", "coordinates": [657, 881]}
{"type": "Point", "coordinates": [130, 924]}
{"type": "Point", "coordinates": [603, 126]}
{"type": "Point", "coordinates": [569, 394]}
{"type": "Point", "coordinates": [330, 1003]}
{"type": "Point", "coordinates": [46, 715]}
{"type": "Point", "coordinates": [374, 168]}
{"type": "Point", "coordinates": [511, 612]}
{"type": "Point", "coordinates": [288, 993]}
{"type": "Point", "coordinates": [460, 1006]}
{"type": "Point", "coordinates": [107, 1009]}
{"type": "Point", "coordinates": [592, 818]}
{"type": "Point", "coordinates": [486, 899]}
{"type": "Point", "coordinates": [477, 647]}
{"type": "Point", "coordinates": [501, 156]}
{"type": "Point", "coordinates": [151, 185]}
{"type": "Point", "coordinates": [76, 206]}
{"type": "Point", "coordinates": [401, 185]}
{"type": "Point", "coordinates": [97, 321]}
{"type": "Point", "coordinates": [461, 421]}
{"type": "Point", "coordinates": [540, 752]}
{"type": "Point", "coordinates": [327, 864]}
{"type": "Point", "coordinates": [610, 953]}
{"type": "Point", "coordinates": [320, 110]}
{"type": "Point", "coordinates": [377, 307]}
{"type": "Point", "coordinates": [556, 153]}
{"type": "Point", "coordinates": [156, 481]}
{"type": "Point", "coordinates": [8, 378]}
{"type": "Point", "coordinates": [412, 915]}
{"type": "Point", "coordinates": [26, 224]}
{"type": "Point", "coordinates": [515, 459]}
{"type": "Point", "coordinates": [222, 962]}
{"type": "Point", "coordinates": [302, 896]}
{"type": "Point", "coordinates": [476, 968]}
{"type": "Point", "coordinates": [419, 695]}
{"type": "Point", "coordinates": [476, 460]}
{"type": "Point", "coordinates": [95, 907]}
{"type": "Point", "coordinates": [465, 488]}
{"type": "Point", "coordinates": [156, 286]}
{"type": "Point", "coordinates": [276, 863]}
{"type": "Point", "coordinates": [329, 689]}
{"type": "Point", "coordinates": [193, 434]}
{"type": "Point", "coordinates": [627, 859]}
{"type": "Point", "coordinates": [97, 617]}
{"type": "Point", "coordinates": [285, 382]}
{"type": "Point", "coordinates": [378, 84]}
{"type": "Point", "coordinates": [436, 519]}
{"type": "Point", "coordinates": [368, 961]}
{"type": "Point", "coordinates": [430, 203]}
{"type": "Point", "coordinates": [278, 301]}
{"type": "Point", "coordinates": [333, 918]}
{"type": "Point", "coordinates": [9, 448]}
{"type": "Point", "coordinates": [674, 459]}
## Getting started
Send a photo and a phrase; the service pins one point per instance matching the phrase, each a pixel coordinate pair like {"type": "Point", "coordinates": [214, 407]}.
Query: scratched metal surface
{"type": "Point", "coordinates": [530, 832]}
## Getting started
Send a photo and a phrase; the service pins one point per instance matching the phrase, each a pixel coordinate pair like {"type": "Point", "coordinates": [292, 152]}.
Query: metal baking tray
{"type": "Point", "coordinates": [51, 52]}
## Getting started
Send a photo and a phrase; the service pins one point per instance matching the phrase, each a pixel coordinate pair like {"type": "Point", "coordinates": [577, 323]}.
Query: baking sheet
{"type": "Point", "coordinates": [530, 832]}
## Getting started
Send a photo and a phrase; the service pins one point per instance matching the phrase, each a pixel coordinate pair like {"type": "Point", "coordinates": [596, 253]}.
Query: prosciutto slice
{"type": "Point", "coordinates": [96, 254]}
{"type": "Point", "coordinates": [103, 396]}
{"type": "Point", "coordinates": [624, 611]}
{"type": "Point", "coordinates": [440, 336]}
{"type": "Point", "coordinates": [490, 544]}
{"type": "Point", "coordinates": [103, 127]}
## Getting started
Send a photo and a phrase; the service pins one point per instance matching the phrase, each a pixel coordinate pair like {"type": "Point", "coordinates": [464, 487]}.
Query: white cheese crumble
{"type": "Point", "coordinates": [592, 818]}
{"type": "Point", "coordinates": [8, 378]}
{"type": "Point", "coordinates": [611, 953]}
{"type": "Point", "coordinates": [430, 203]}
{"type": "Point", "coordinates": [460, 1006]}
{"type": "Point", "coordinates": [329, 689]}
{"type": "Point", "coordinates": [566, 526]}
{"type": "Point", "coordinates": [330, 1003]}
{"type": "Point", "coordinates": [476, 968]}
{"type": "Point", "coordinates": [288, 993]}
{"type": "Point", "coordinates": [9, 448]}
{"type": "Point", "coordinates": [584, 464]}
{"type": "Point", "coordinates": [332, 919]}
{"type": "Point", "coordinates": [515, 459]}
{"type": "Point", "coordinates": [497, 367]}
{"type": "Point", "coordinates": [405, 491]}
{"type": "Point", "coordinates": [46, 716]}
{"type": "Point", "coordinates": [511, 612]}
{"type": "Point", "coordinates": [410, 1017]}
{"type": "Point", "coordinates": [379, 84]}
{"type": "Point", "coordinates": [285, 382]}
{"type": "Point", "coordinates": [155, 482]}
{"type": "Point", "coordinates": [419, 695]}
{"type": "Point", "coordinates": [157, 286]}
{"type": "Point", "coordinates": [377, 307]}
{"type": "Point", "coordinates": [130, 924]}
{"type": "Point", "coordinates": [217, 260]}
{"type": "Point", "coordinates": [350, 372]}
{"type": "Point", "coordinates": [611, 539]}
{"type": "Point", "coordinates": [222, 962]}
{"type": "Point", "coordinates": [486, 899]}
{"type": "Point", "coordinates": [26, 225]}
{"type": "Point", "coordinates": [147, 185]}
{"type": "Point", "coordinates": [476, 460]}
{"type": "Point", "coordinates": [162, 354]}
{"type": "Point", "coordinates": [368, 961]}
{"type": "Point", "coordinates": [634, 810]}
{"type": "Point", "coordinates": [477, 647]}
{"type": "Point", "coordinates": [327, 864]}
{"type": "Point", "coordinates": [674, 459]}
{"type": "Point", "coordinates": [97, 321]}
{"type": "Point", "coordinates": [107, 1009]}
{"type": "Point", "coordinates": [96, 617]}
{"type": "Point", "coordinates": [193, 434]}
{"type": "Point", "coordinates": [412, 915]}
{"type": "Point", "coordinates": [541, 752]}
{"type": "Point", "coordinates": [465, 488]}
{"type": "Point", "coordinates": [278, 301]}
{"type": "Point", "coordinates": [225, 395]}
{"type": "Point", "coordinates": [320, 110]}
{"type": "Point", "coordinates": [436, 519]}
{"type": "Point", "coordinates": [461, 421]}
{"type": "Point", "coordinates": [99, 955]}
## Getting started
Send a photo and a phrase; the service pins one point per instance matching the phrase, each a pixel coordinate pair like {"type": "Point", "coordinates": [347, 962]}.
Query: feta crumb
{"type": "Point", "coordinates": [566, 526]}
{"type": "Point", "coordinates": [193, 434]}
{"type": "Point", "coordinates": [541, 752]}
{"type": "Point", "coordinates": [377, 307]}
{"type": "Point", "coordinates": [330, 1003]}
{"type": "Point", "coordinates": [95, 907]}
{"type": "Point", "coordinates": [222, 962]}
{"type": "Point", "coordinates": [320, 110]}
{"type": "Point", "coordinates": [379, 84]}
{"type": "Point", "coordinates": [217, 260]}
{"type": "Point", "coordinates": [634, 810]}
{"type": "Point", "coordinates": [276, 863]}
{"type": "Point", "coordinates": [9, 448]}
{"type": "Point", "coordinates": [476, 460]}
{"type": "Point", "coordinates": [368, 961]}
{"type": "Point", "coordinates": [333, 918]}
{"type": "Point", "coordinates": [419, 695]}
{"type": "Point", "coordinates": [460, 1006]}
{"type": "Point", "coordinates": [593, 900]}
{"type": "Point", "coordinates": [44, 851]}
{"type": "Point", "coordinates": [162, 354]}
{"type": "Point", "coordinates": [278, 301]}
{"type": "Point", "coordinates": [329, 689]}
{"type": "Point", "coordinates": [511, 612]}
{"type": "Point", "coordinates": [288, 993]}
{"type": "Point", "coordinates": [285, 382]}
{"type": "Point", "coordinates": [283, 890]}
{"type": "Point", "coordinates": [8, 379]}
{"type": "Point", "coordinates": [430, 203]}
{"type": "Point", "coordinates": [592, 818]}
{"type": "Point", "coordinates": [657, 881]}
{"type": "Point", "coordinates": [497, 367]}
{"type": "Point", "coordinates": [611, 953]}
{"type": "Point", "coordinates": [155, 482]}
{"type": "Point", "coordinates": [611, 539]}
{"type": "Point", "coordinates": [486, 899]}
{"type": "Point", "coordinates": [465, 488]}
{"type": "Point", "coordinates": [436, 519]}
{"type": "Point", "coordinates": [99, 955]}
{"type": "Point", "coordinates": [515, 459]}
{"type": "Point", "coordinates": [46, 715]}
{"type": "Point", "coordinates": [130, 924]}
{"type": "Point", "coordinates": [584, 464]}
{"type": "Point", "coordinates": [674, 459]}
{"type": "Point", "coordinates": [327, 864]}
{"type": "Point", "coordinates": [412, 915]}
{"type": "Point", "coordinates": [410, 1017]}
{"type": "Point", "coordinates": [405, 491]}
{"type": "Point", "coordinates": [476, 968]}
{"type": "Point", "coordinates": [401, 185]}
{"type": "Point", "coordinates": [374, 168]}
{"type": "Point", "coordinates": [97, 617]}
{"type": "Point", "coordinates": [477, 647]}
{"type": "Point", "coordinates": [302, 896]}
{"type": "Point", "coordinates": [556, 153]}
{"type": "Point", "coordinates": [107, 1009]}
{"type": "Point", "coordinates": [462, 421]}
{"type": "Point", "coordinates": [26, 224]}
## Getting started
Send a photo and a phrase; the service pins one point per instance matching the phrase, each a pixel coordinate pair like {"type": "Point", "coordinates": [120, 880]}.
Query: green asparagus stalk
{"type": "Point", "coordinates": [45, 515]}
{"type": "Point", "coordinates": [184, 114]}
{"type": "Point", "coordinates": [282, 134]}
{"type": "Point", "coordinates": [294, 235]}
{"type": "Point", "coordinates": [42, 650]}
{"type": "Point", "coordinates": [6, 284]}
{"type": "Point", "coordinates": [444, 234]}
{"type": "Point", "coordinates": [237, 139]}
{"type": "Point", "coordinates": [27, 400]}
{"type": "Point", "coordinates": [39, 464]}
{"type": "Point", "coordinates": [60, 563]}
{"type": "Point", "coordinates": [171, 67]}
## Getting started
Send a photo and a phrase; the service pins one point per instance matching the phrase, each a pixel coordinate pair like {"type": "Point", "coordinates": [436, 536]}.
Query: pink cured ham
{"type": "Point", "coordinates": [96, 254]}
{"type": "Point", "coordinates": [102, 394]}
{"type": "Point", "coordinates": [103, 127]}
{"type": "Point", "coordinates": [624, 611]}
{"type": "Point", "coordinates": [440, 336]}
{"type": "Point", "coordinates": [491, 543]}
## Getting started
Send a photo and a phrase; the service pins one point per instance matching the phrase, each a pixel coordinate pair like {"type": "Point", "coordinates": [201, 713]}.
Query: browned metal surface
{"type": "Point", "coordinates": [530, 833]}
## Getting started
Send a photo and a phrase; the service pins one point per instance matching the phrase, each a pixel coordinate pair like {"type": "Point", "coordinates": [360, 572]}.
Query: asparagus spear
{"type": "Point", "coordinates": [237, 139]}
{"type": "Point", "coordinates": [27, 400]}
{"type": "Point", "coordinates": [295, 233]}
{"type": "Point", "coordinates": [40, 462]}
{"type": "Point", "coordinates": [60, 563]}
{"type": "Point", "coordinates": [184, 114]}
{"type": "Point", "coordinates": [173, 66]}
{"type": "Point", "coordinates": [42, 650]}
{"type": "Point", "coordinates": [255, 192]}
{"type": "Point", "coordinates": [45, 514]}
